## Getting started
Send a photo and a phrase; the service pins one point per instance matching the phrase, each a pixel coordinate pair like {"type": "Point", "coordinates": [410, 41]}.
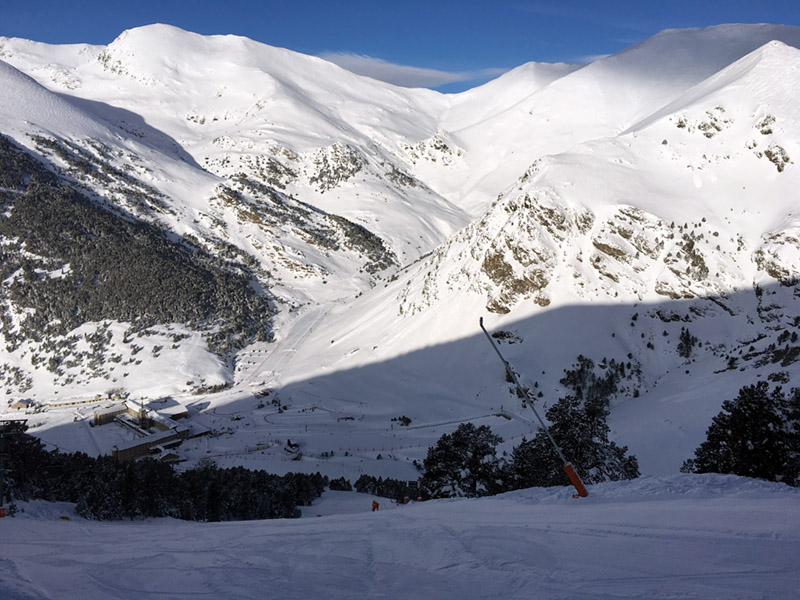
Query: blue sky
{"type": "Point", "coordinates": [447, 44]}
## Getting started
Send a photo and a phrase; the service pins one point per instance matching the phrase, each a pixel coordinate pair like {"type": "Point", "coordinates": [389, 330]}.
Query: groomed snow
{"type": "Point", "coordinates": [682, 536]}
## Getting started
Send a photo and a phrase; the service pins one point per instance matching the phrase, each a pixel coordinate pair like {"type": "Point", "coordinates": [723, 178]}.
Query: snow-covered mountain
{"type": "Point", "coordinates": [358, 230]}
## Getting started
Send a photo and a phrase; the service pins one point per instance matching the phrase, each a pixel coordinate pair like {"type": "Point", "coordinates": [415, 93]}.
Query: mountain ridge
{"type": "Point", "coordinates": [380, 222]}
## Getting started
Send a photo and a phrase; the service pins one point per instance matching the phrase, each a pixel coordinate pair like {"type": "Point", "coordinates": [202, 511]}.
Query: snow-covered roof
{"type": "Point", "coordinates": [134, 405]}
{"type": "Point", "coordinates": [169, 409]}
{"type": "Point", "coordinates": [195, 429]}
{"type": "Point", "coordinates": [148, 441]}
{"type": "Point", "coordinates": [109, 410]}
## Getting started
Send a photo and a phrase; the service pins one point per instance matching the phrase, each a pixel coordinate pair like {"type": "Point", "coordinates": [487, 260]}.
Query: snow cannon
{"type": "Point", "coordinates": [574, 478]}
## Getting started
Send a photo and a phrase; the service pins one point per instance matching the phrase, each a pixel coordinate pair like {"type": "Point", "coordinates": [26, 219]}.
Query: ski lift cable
{"type": "Point", "coordinates": [567, 466]}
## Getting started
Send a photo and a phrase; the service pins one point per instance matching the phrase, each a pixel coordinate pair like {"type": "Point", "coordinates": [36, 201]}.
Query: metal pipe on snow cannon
{"type": "Point", "coordinates": [574, 478]}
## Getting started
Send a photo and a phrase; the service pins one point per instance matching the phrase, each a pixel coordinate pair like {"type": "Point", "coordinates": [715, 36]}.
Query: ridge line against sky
{"type": "Point", "coordinates": [449, 45]}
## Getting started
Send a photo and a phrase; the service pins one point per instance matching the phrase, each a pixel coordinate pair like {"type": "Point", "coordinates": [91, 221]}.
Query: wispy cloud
{"type": "Point", "coordinates": [405, 75]}
{"type": "Point", "coordinates": [597, 17]}
{"type": "Point", "coordinates": [589, 58]}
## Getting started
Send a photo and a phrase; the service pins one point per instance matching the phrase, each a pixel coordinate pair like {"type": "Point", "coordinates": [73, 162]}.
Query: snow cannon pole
{"type": "Point", "coordinates": [574, 478]}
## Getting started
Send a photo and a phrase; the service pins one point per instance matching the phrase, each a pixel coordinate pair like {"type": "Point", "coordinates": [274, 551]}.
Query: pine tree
{"type": "Point", "coordinates": [686, 343]}
{"type": "Point", "coordinates": [463, 463]}
{"type": "Point", "coordinates": [755, 435]}
{"type": "Point", "coordinates": [535, 463]}
{"type": "Point", "coordinates": [579, 428]}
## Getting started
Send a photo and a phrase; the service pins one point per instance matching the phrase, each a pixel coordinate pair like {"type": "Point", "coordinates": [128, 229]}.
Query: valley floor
{"type": "Point", "coordinates": [681, 536]}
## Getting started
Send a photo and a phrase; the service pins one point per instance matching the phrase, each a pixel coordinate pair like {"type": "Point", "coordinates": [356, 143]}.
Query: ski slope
{"type": "Point", "coordinates": [682, 536]}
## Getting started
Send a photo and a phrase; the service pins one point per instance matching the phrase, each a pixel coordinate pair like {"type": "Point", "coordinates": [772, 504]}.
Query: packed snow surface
{"type": "Point", "coordinates": [682, 536]}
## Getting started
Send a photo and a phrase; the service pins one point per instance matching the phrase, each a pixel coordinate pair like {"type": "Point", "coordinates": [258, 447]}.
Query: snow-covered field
{"type": "Point", "coordinates": [682, 536]}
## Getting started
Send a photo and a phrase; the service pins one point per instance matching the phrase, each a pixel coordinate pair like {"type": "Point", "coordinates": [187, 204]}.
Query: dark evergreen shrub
{"type": "Point", "coordinates": [755, 435]}
{"type": "Point", "coordinates": [580, 429]}
{"type": "Point", "coordinates": [463, 463]}
{"type": "Point", "coordinates": [686, 343]}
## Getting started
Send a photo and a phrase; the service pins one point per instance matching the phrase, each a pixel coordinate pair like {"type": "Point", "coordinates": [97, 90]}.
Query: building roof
{"type": "Point", "coordinates": [168, 407]}
{"type": "Point", "coordinates": [109, 410]}
{"type": "Point", "coordinates": [196, 430]}
{"type": "Point", "coordinates": [150, 440]}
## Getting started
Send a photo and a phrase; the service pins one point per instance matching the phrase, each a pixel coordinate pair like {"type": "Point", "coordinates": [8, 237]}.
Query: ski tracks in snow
{"type": "Point", "coordinates": [276, 361]}
{"type": "Point", "coordinates": [642, 540]}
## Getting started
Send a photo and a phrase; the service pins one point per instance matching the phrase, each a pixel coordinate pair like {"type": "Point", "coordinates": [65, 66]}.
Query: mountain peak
{"type": "Point", "coordinates": [379, 223]}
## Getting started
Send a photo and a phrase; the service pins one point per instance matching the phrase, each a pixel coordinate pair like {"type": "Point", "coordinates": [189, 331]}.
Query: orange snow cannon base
{"type": "Point", "coordinates": [575, 480]}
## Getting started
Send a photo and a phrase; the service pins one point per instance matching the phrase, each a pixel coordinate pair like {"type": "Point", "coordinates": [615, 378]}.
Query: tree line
{"type": "Point", "coordinates": [757, 434]}
{"type": "Point", "coordinates": [104, 489]}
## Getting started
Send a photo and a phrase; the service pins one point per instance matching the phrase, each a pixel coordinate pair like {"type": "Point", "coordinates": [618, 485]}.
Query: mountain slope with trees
{"type": "Point", "coordinates": [333, 240]}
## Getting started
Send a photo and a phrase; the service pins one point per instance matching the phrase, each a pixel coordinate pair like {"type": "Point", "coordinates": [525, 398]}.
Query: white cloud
{"type": "Point", "coordinates": [404, 75]}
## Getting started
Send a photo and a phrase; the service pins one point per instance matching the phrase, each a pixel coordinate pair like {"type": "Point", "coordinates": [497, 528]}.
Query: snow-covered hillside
{"type": "Point", "coordinates": [297, 123]}
{"type": "Point", "coordinates": [711, 537]}
{"type": "Point", "coordinates": [595, 210]}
